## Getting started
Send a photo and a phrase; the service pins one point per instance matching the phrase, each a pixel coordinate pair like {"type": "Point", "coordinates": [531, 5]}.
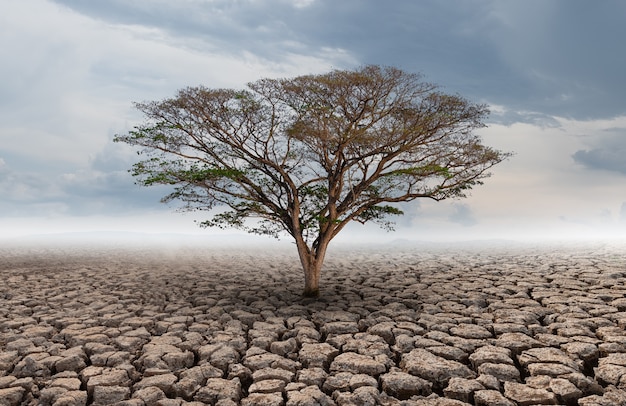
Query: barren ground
{"type": "Point", "coordinates": [412, 325]}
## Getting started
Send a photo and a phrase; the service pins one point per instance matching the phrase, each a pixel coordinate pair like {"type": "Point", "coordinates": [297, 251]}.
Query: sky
{"type": "Point", "coordinates": [552, 72]}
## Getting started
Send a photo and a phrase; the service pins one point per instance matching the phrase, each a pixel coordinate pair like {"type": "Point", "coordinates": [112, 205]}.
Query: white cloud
{"type": "Point", "coordinates": [604, 143]}
{"type": "Point", "coordinates": [28, 192]}
{"type": "Point", "coordinates": [73, 78]}
{"type": "Point", "coordinates": [70, 83]}
{"type": "Point", "coordinates": [302, 3]}
{"type": "Point", "coordinates": [542, 185]}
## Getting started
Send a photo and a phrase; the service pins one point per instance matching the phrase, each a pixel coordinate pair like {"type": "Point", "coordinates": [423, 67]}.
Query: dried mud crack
{"type": "Point", "coordinates": [208, 326]}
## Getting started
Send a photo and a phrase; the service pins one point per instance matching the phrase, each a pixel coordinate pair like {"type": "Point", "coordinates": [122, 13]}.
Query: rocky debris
{"type": "Point", "coordinates": [217, 389]}
{"type": "Point", "coordinates": [403, 386]}
{"type": "Point", "coordinates": [438, 370]}
{"type": "Point", "coordinates": [257, 359]}
{"type": "Point", "coordinates": [108, 395]}
{"type": "Point", "coordinates": [611, 370]}
{"type": "Point", "coordinates": [517, 342]}
{"type": "Point", "coordinates": [490, 354]}
{"type": "Point", "coordinates": [503, 372]}
{"type": "Point", "coordinates": [308, 396]}
{"type": "Point", "coordinates": [337, 382]}
{"type": "Point", "coordinates": [612, 396]}
{"type": "Point", "coordinates": [423, 328]}
{"type": "Point", "coordinates": [357, 363]}
{"type": "Point", "coordinates": [565, 390]}
{"type": "Point", "coordinates": [162, 353]}
{"type": "Point", "coordinates": [490, 397]}
{"type": "Point", "coordinates": [263, 399]}
{"type": "Point", "coordinates": [317, 355]}
{"type": "Point", "coordinates": [218, 355]}
{"type": "Point", "coordinates": [12, 396]}
{"type": "Point", "coordinates": [72, 359]}
{"type": "Point", "coordinates": [555, 359]}
{"type": "Point", "coordinates": [364, 395]}
{"type": "Point", "coordinates": [286, 348]}
{"type": "Point", "coordinates": [312, 376]}
{"type": "Point", "coordinates": [525, 395]}
{"type": "Point", "coordinates": [164, 382]}
{"type": "Point", "coordinates": [268, 386]}
{"type": "Point", "coordinates": [463, 389]}
{"type": "Point", "coordinates": [470, 331]}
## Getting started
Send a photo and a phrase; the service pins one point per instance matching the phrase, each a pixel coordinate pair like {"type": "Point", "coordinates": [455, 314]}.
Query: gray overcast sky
{"type": "Point", "coordinates": [551, 70]}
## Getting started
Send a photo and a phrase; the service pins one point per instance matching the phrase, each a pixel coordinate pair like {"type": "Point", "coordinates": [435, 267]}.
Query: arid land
{"type": "Point", "coordinates": [487, 324]}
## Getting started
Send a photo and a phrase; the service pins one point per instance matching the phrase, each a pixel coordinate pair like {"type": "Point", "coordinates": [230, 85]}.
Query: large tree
{"type": "Point", "coordinates": [310, 154]}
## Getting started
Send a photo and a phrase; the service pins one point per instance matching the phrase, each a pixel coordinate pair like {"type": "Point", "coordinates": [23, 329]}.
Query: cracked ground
{"type": "Point", "coordinates": [422, 325]}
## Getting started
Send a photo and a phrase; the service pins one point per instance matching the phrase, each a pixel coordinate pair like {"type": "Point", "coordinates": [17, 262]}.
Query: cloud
{"type": "Point", "coordinates": [26, 192]}
{"type": "Point", "coordinates": [542, 183]}
{"type": "Point", "coordinates": [463, 215]}
{"type": "Point", "coordinates": [484, 49]}
{"type": "Point", "coordinates": [604, 216]}
{"type": "Point", "coordinates": [90, 192]}
{"type": "Point", "coordinates": [609, 155]}
{"type": "Point", "coordinates": [235, 29]}
{"type": "Point", "coordinates": [70, 79]}
{"type": "Point", "coordinates": [604, 143]}
{"type": "Point", "coordinates": [71, 70]}
{"type": "Point", "coordinates": [4, 169]}
{"type": "Point", "coordinates": [302, 3]}
{"type": "Point", "coordinates": [602, 158]}
{"type": "Point", "coordinates": [565, 64]}
{"type": "Point", "coordinates": [505, 116]}
{"type": "Point", "coordinates": [103, 187]}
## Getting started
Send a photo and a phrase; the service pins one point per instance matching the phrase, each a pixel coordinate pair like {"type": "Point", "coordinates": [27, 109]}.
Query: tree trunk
{"type": "Point", "coordinates": [312, 280]}
{"type": "Point", "coordinates": [312, 261]}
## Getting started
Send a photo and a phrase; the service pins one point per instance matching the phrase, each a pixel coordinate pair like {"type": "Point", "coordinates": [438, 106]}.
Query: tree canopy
{"type": "Point", "coordinates": [310, 154]}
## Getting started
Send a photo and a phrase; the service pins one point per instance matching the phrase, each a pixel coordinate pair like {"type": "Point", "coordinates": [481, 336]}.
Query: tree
{"type": "Point", "coordinates": [310, 154]}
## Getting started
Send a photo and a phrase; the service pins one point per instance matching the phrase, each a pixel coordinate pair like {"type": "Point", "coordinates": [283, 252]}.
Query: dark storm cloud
{"type": "Point", "coordinates": [566, 50]}
{"type": "Point", "coordinates": [607, 152]}
{"type": "Point", "coordinates": [557, 57]}
{"type": "Point", "coordinates": [552, 57]}
{"type": "Point", "coordinates": [604, 158]}
{"type": "Point", "coordinates": [262, 28]}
